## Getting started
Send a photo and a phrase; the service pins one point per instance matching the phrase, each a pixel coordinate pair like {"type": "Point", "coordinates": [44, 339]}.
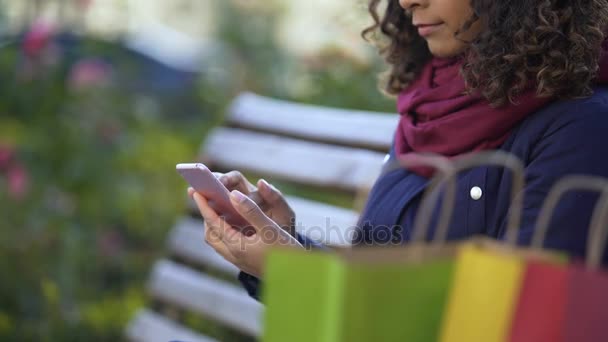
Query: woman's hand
{"type": "Point", "coordinates": [266, 196]}
{"type": "Point", "coordinates": [245, 252]}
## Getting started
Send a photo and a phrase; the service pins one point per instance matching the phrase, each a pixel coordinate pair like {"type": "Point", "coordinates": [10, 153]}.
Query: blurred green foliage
{"type": "Point", "coordinates": [249, 57]}
{"type": "Point", "coordinates": [78, 247]}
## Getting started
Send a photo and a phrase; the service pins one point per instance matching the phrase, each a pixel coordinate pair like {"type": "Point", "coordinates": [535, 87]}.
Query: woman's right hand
{"type": "Point", "coordinates": [266, 196]}
{"type": "Point", "coordinates": [247, 252]}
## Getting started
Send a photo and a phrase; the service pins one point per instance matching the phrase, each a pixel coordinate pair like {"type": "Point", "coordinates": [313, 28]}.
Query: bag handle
{"type": "Point", "coordinates": [597, 238]}
{"type": "Point", "coordinates": [444, 168]}
{"type": "Point", "coordinates": [472, 160]}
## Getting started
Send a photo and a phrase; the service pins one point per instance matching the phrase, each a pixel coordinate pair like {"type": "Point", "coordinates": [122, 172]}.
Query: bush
{"type": "Point", "coordinates": [88, 187]}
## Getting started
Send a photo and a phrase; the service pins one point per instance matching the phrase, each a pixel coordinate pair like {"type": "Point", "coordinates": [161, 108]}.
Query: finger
{"type": "Point", "coordinates": [191, 191]}
{"type": "Point", "coordinates": [213, 239]}
{"type": "Point", "coordinates": [209, 215]}
{"type": "Point", "coordinates": [271, 195]}
{"type": "Point", "coordinates": [268, 231]}
{"type": "Point", "coordinates": [234, 180]}
{"type": "Point", "coordinates": [221, 236]}
{"type": "Point", "coordinates": [259, 200]}
{"type": "Point", "coordinates": [213, 236]}
{"type": "Point", "coordinates": [217, 228]}
{"type": "Point", "coordinates": [230, 243]}
{"type": "Point", "coordinates": [212, 219]}
{"type": "Point", "coordinates": [250, 211]}
{"type": "Point", "coordinates": [282, 211]}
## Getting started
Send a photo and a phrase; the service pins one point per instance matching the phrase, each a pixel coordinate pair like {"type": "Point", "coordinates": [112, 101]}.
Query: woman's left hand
{"type": "Point", "coordinates": [245, 252]}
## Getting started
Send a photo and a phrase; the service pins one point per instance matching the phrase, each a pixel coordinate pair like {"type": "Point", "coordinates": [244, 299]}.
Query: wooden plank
{"type": "Point", "coordinates": [220, 301]}
{"type": "Point", "coordinates": [339, 126]}
{"type": "Point", "coordinates": [149, 326]}
{"type": "Point", "coordinates": [291, 159]}
{"type": "Point", "coordinates": [323, 223]}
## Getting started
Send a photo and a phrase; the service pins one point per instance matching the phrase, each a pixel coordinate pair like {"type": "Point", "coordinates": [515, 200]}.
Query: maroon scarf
{"type": "Point", "coordinates": [437, 117]}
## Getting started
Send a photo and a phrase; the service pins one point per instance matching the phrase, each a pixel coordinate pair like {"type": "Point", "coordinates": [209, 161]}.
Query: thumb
{"type": "Point", "coordinates": [250, 211]}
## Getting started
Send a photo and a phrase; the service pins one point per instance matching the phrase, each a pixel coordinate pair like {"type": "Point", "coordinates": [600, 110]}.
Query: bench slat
{"type": "Point", "coordinates": [333, 125]}
{"type": "Point", "coordinates": [287, 141]}
{"type": "Point", "coordinates": [221, 301]}
{"type": "Point", "coordinates": [291, 159]}
{"type": "Point", "coordinates": [148, 326]}
{"type": "Point", "coordinates": [323, 223]}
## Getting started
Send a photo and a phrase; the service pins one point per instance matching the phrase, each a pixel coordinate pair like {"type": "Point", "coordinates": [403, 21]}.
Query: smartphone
{"type": "Point", "coordinates": [204, 182]}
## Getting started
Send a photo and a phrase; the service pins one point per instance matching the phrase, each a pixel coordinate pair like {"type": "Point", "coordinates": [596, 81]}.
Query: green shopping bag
{"type": "Point", "coordinates": [362, 294]}
{"type": "Point", "coordinates": [382, 294]}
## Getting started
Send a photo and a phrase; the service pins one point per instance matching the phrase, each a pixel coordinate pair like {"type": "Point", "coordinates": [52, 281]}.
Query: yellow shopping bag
{"type": "Point", "coordinates": [488, 274]}
{"type": "Point", "coordinates": [484, 291]}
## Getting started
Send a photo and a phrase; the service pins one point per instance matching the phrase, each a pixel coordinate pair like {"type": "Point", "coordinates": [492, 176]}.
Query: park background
{"type": "Point", "coordinates": [101, 98]}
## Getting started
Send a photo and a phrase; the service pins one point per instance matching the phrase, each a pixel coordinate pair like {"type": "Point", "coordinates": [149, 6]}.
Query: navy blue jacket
{"type": "Point", "coordinates": [564, 138]}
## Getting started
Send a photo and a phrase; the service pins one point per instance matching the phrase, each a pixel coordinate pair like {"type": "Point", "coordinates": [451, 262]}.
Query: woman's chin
{"type": "Point", "coordinates": [443, 49]}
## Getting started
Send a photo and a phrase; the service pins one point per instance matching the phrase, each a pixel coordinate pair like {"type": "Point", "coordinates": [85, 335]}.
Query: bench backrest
{"type": "Point", "coordinates": [304, 145]}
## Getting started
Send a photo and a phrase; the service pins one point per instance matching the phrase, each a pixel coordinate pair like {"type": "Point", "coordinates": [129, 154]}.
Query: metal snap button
{"type": "Point", "coordinates": [476, 193]}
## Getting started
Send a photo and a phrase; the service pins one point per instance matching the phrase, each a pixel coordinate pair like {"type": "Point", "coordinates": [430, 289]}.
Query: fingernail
{"type": "Point", "coordinates": [238, 196]}
{"type": "Point", "coordinates": [265, 183]}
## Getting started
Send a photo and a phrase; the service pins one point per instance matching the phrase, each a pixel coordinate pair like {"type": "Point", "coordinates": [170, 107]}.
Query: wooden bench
{"type": "Point", "coordinates": [317, 147]}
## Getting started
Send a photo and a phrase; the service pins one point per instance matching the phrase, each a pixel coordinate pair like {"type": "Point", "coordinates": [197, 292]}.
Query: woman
{"type": "Point", "coordinates": [526, 77]}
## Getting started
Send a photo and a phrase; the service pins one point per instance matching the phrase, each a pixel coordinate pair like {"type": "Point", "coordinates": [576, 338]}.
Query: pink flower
{"type": "Point", "coordinates": [89, 73]}
{"type": "Point", "coordinates": [38, 38]}
{"type": "Point", "coordinates": [6, 154]}
{"type": "Point", "coordinates": [16, 175]}
{"type": "Point", "coordinates": [18, 182]}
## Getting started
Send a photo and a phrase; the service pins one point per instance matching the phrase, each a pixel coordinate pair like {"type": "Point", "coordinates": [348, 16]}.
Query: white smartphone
{"type": "Point", "coordinates": [204, 182]}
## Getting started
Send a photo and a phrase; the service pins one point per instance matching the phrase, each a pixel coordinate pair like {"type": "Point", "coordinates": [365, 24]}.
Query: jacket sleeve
{"type": "Point", "coordinates": [253, 285]}
{"type": "Point", "coordinates": [574, 144]}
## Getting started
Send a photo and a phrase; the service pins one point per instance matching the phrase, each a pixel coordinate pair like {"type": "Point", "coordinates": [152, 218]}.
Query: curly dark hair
{"type": "Point", "coordinates": [554, 45]}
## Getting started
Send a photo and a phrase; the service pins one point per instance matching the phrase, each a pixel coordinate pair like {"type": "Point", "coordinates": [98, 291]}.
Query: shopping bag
{"type": "Point", "coordinates": [549, 290]}
{"type": "Point", "coordinates": [486, 287]}
{"type": "Point", "coordinates": [587, 288]}
{"type": "Point", "coordinates": [301, 294]}
{"type": "Point", "coordinates": [362, 294]}
{"type": "Point", "coordinates": [587, 306]}
{"type": "Point", "coordinates": [367, 294]}
{"type": "Point", "coordinates": [541, 307]}
{"type": "Point", "coordinates": [488, 274]}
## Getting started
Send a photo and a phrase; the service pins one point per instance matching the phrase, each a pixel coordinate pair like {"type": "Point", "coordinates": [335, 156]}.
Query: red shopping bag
{"type": "Point", "coordinates": [488, 274]}
{"type": "Point", "coordinates": [566, 302]}
{"type": "Point", "coordinates": [587, 306]}
{"type": "Point", "coordinates": [540, 312]}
